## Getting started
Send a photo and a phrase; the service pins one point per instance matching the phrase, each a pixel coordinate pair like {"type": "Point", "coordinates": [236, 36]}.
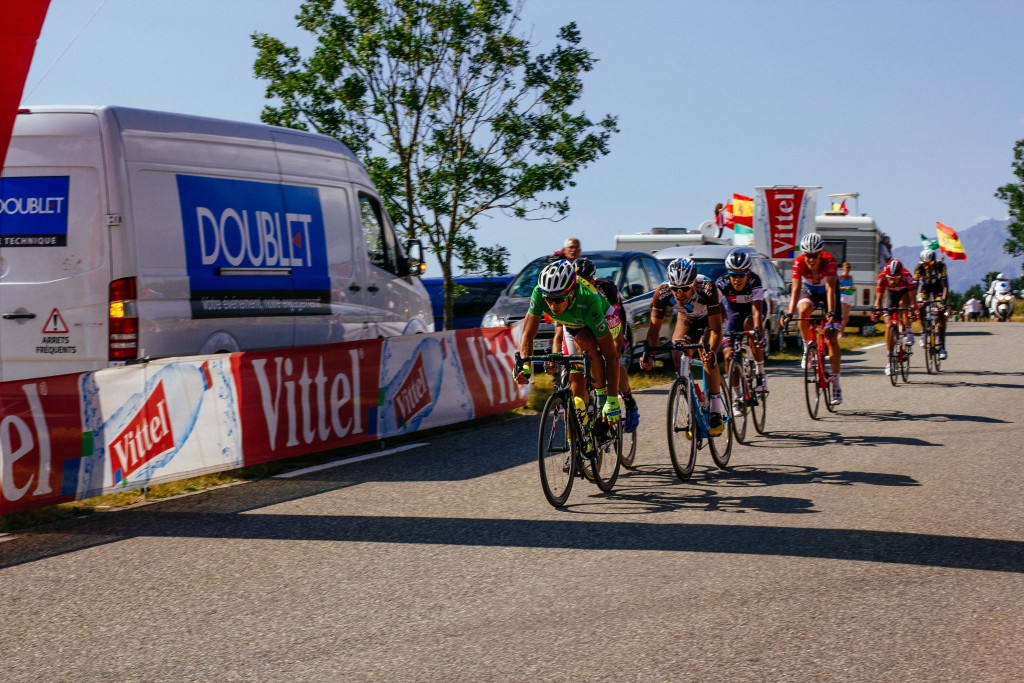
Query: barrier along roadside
{"type": "Point", "coordinates": [70, 437]}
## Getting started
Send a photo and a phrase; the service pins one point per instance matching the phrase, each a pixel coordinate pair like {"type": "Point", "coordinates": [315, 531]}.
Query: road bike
{"type": "Point", "coordinates": [930, 334]}
{"type": "Point", "coordinates": [689, 414]}
{"type": "Point", "coordinates": [899, 354]}
{"type": "Point", "coordinates": [817, 369]}
{"type": "Point", "coordinates": [741, 380]}
{"type": "Point", "coordinates": [562, 436]}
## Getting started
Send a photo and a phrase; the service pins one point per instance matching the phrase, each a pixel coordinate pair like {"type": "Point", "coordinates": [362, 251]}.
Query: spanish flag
{"type": "Point", "coordinates": [743, 217]}
{"type": "Point", "coordinates": [949, 243]}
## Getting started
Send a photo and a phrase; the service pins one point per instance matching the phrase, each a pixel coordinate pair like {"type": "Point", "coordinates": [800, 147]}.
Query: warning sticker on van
{"type": "Point", "coordinates": [34, 211]}
{"type": "Point", "coordinates": [253, 249]}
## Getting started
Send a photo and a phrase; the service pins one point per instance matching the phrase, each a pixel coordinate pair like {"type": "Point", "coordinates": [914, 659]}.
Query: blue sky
{"type": "Point", "coordinates": [916, 104]}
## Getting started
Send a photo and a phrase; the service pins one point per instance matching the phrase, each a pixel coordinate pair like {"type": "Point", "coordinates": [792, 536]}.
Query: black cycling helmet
{"type": "Point", "coordinates": [738, 261]}
{"type": "Point", "coordinates": [585, 268]}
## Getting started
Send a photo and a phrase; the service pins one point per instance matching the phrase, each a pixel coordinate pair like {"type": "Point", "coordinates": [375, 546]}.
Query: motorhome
{"type": "Point", "coordinates": [128, 234]}
{"type": "Point", "coordinates": [659, 238]}
{"type": "Point", "coordinates": [857, 239]}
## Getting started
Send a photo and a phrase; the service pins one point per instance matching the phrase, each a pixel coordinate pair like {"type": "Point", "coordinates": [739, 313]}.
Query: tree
{"type": "Point", "coordinates": [448, 109]}
{"type": "Point", "coordinates": [1013, 195]}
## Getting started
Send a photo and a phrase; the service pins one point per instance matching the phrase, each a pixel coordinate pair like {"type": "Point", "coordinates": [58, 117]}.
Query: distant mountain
{"type": "Point", "coordinates": [983, 243]}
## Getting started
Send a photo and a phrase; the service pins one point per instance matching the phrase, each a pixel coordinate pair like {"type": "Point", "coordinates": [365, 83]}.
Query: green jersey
{"type": "Point", "coordinates": [587, 309]}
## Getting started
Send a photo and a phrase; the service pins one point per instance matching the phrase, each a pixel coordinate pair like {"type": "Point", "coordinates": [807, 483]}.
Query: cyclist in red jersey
{"type": "Point", "coordinates": [815, 284]}
{"type": "Point", "coordinates": [895, 284]}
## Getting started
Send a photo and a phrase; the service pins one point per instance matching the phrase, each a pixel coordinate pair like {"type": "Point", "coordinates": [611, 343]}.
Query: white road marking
{"type": "Point", "coordinates": [346, 461]}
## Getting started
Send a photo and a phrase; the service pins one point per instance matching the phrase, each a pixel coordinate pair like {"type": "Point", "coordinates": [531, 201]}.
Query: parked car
{"type": "Point", "coordinates": [634, 273]}
{"type": "Point", "coordinates": [710, 261]}
{"type": "Point", "coordinates": [478, 293]}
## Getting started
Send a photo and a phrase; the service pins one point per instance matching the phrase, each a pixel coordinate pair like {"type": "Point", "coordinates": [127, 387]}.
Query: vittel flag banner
{"type": "Point", "coordinates": [782, 215]}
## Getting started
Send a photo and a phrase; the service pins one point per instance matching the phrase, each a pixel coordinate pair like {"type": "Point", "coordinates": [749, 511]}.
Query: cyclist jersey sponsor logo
{"type": "Point", "coordinates": [741, 299]}
{"type": "Point", "coordinates": [905, 282]}
{"type": "Point", "coordinates": [588, 309]}
{"type": "Point", "coordinates": [702, 303]}
{"type": "Point", "coordinates": [934, 276]}
{"type": "Point", "coordinates": [814, 281]}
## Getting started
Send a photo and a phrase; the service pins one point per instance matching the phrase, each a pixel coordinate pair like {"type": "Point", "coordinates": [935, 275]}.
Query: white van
{"type": "Point", "coordinates": [128, 234]}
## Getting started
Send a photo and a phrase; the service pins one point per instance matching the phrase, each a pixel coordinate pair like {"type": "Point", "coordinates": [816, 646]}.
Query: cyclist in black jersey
{"type": "Point", "coordinates": [932, 283]}
{"type": "Point", "coordinates": [743, 297]}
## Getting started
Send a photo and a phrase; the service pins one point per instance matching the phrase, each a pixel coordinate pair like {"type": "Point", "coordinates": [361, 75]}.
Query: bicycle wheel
{"type": "Point", "coordinates": [936, 359]}
{"type": "Point", "coordinates": [904, 359]}
{"type": "Point", "coordinates": [812, 392]}
{"type": "Point", "coordinates": [930, 355]}
{"type": "Point", "coordinates": [556, 450]}
{"type": "Point", "coordinates": [825, 381]}
{"type": "Point", "coordinates": [760, 408]}
{"type": "Point", "coordinates": [894, 368]}
{"type": "Point", "coordinates": [628, 453]}
{"type": "Point", "coordinates": [721, 445]}
{"type": "Point", "coordinates": [607, 455]}
{"type": "Point", "coordinates": [736, 388]}
{"type": "Point", "coordinates": [682, 427]}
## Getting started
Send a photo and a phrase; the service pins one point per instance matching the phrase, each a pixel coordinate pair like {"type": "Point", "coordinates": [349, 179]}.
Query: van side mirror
{"type": "Point", "coordinates": [414, 257]}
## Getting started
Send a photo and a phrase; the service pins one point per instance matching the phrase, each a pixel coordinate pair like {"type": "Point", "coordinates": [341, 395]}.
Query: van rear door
{"type": "Point", "coordinates": [54, 251]}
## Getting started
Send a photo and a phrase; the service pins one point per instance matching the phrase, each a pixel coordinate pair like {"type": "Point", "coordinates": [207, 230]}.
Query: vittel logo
{"type": "Point", "coordinates": [414, 394]}
{"type": "Point", "coordinates": [257, 239]}
{"type": "Point", "coordinates": [494, 368]}
{"type": "Point", "coordinates": [147, 435]}
{"type": "Point", "coordinates": [20, 439]}
{"type": "Point", "coordinates": [309, 404]}
{"type": "Point", "coordinates": [783, 219]}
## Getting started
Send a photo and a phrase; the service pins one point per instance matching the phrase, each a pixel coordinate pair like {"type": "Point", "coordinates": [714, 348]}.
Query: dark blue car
{"type": "Point", "coordinates": [480, 293]}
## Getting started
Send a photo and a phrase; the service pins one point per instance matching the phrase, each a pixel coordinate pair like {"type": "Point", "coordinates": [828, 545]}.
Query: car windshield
{"type": "Point", "coordinates": [608, 268]}
{"type": "Point", "coordinates": [712, 269]}
{"type": "Point", "coordinates": [527, 279]}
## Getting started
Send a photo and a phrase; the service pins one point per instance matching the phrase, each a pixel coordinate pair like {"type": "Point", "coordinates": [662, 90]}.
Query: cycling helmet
{"type": "Point", "coordinates": [585, 268]}
{"type": "Point", "coordinates": [682, 272]}
{"type": "Point", "coordinates": [812, 243]}
{"type": "Point", "coordinates": [929, 256]}
{"type": "Point", "coordinates": [738, 260]}
{"type": "Point", "coordinates": [894, 268]}
{"type": "Point", "coordinates": [557, 279]}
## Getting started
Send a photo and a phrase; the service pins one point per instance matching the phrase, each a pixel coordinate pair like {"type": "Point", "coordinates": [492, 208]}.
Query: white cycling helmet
{"type": "Point", "coordinates": [738, 261]}
{"type": "Point", "coordinates": [929, 256]}
{"type": "Point", "coordinates": [893, 268]}
{"type": "Point", "coordinates": [682, 272]}
{"type": "Point", "coordinates": [557, 279]}
{"type": "Point", "coordinates": [812, 243]}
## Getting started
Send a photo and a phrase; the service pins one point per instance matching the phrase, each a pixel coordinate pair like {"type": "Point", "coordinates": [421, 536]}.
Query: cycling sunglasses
{"type": "Point", "coordinates": [681, 290]}
{"type": "Point", "coordinates": [556, 299]}
{"type": "Point", "coordinates": [812, 256]}
{"type": "Point", "coordinates": [733, 273]}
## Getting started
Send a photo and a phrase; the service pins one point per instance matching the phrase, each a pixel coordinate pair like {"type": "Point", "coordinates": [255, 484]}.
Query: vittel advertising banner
{"type": "Point", "coordinates": [42, 444]}
{"type": "Point", "coordinates": [34, 211]}
{"type": "Point", "coordinates": [253, 248]}
{"type": "Point", "coordinates": [316, 398]}
{"type": "Point", "coordinates": [781, 216]}
{"type": "Point", "coordinates": [487, 357]}
{"type": "Point", "coordinates": [75, 436]}
{"type": "Point", "coordinates": [158, 422]}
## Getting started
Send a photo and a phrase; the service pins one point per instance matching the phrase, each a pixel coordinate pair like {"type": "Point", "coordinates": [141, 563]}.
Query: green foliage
{"type": "Point", "coordinates": [1013, 195]}
{"type": "Point", "coordinates": [448, 108]}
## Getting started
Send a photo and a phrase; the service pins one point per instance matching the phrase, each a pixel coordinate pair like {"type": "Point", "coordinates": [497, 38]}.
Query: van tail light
{"type": "Point", "coordinates": [124, 320]}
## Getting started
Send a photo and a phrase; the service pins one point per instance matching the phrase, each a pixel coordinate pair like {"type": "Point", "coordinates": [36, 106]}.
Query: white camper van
{"type": "Point", "coordinates": [128, 234]}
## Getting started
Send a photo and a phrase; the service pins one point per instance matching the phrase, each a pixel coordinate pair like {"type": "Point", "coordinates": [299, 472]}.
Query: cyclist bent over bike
{"type": "Point", "coordinates": [815, 284]}
{"type": "Point", "coordinates": [590, 321]}
{"type": "Point", "coordinates": [932, 283]}
{"type": "Point", "coordinates": [695, 300]}
{"type": "Point", "coordinates": [895, 284]}
{"type": "Point", "coordinates": [743, 298]}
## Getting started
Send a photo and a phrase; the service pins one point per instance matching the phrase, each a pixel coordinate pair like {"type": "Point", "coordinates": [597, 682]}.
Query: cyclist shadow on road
{"type": "Point", "coordinates": [655, 488]}
{"type": "Point", "coordinates": [900, 416]}
{"type": "Point", "coordinates": [817, 438]}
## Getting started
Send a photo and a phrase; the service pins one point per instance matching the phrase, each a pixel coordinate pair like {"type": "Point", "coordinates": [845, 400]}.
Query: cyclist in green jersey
{"type": "Point", "coordinates": [585, 315]}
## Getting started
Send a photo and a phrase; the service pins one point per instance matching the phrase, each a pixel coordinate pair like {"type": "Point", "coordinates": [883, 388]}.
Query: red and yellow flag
{"type": "Point", "coordinates": [743, 210]}
{"type": "Point", "coordinates": [949, 242]}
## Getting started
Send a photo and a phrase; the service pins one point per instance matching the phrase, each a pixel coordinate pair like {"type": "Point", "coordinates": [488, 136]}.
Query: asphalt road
{"type": "Point", "coordinates": [884, 543]}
